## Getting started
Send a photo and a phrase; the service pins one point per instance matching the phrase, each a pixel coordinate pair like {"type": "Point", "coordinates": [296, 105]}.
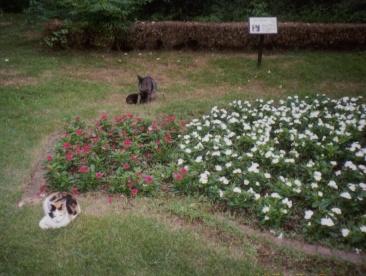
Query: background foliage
{"type": "Point", "coordinates": [206, 10]}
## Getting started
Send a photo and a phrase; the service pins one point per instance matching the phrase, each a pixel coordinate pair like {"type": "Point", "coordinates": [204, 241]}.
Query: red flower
{"type": "Point", "coordinates": [148, 179]}
{"type": "Point", "coordinates": [69, 156]}
{"type": "Point", "coordinates": [104, 117]}
{"type": "Point", "coordinates": [134, 157]}
{"type": "Point", "coordinates": [75, 191]}
{"type": "Point", "coordinates": [168, 138]}
{"type": "Point", "coordinates": [183, 171]}
{"type": "Point", "coordinates": [49, 158]}
{"type": "Point", "coordinates": [99, 175]}
{"type": "Point", "coordinates": [110, 198]}
{"type": "Point", "coordinates": [86, 148]}
{"type": "Point", "coordinates": [79, 132]}
{"type": "Point", "coordinates": [178, 176]}
{"type": "Point", "coordinates": [134, 192]}
{"type": "Point", "coordinates": [84, 169]}
{"type": "Point", "coordinates": [126, 166]}
{"type": "Point", "coordinates": [66, 145]}
{"type": "Point", "coordinates": [127, 143]}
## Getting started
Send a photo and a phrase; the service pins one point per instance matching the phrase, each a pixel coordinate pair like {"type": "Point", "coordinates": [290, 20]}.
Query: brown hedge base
{"type": "Point", "coordinates": [225, 36]}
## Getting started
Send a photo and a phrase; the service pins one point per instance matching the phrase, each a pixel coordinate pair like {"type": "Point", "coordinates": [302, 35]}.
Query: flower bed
{"type": "Point", "coordinates": [116, 156]}
{"type": "Point", "coordinates": [298, 165]}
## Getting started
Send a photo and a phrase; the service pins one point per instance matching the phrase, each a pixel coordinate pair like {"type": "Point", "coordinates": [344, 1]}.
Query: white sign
{"type": "Point", "coordinates": [263, 25]}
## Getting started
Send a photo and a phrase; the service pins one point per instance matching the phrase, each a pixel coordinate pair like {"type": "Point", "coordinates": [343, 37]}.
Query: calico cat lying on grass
{"type": "Point", "coordinates": [147, 91]}
{"type": "Point", "coordinates": [59, 209]}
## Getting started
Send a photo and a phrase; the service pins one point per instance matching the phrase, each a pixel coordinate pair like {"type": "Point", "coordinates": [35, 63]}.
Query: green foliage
{"type": "Point", "coordinates": [117, 157]}
{"type": "Point", "coordinates": [105, 22]}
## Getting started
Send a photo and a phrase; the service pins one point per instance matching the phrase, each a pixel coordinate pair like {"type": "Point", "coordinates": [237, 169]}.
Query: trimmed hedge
{"type": "Point", "coordinates": [224, 36]}
{"type": "Point", "coordinates": [235, 36]}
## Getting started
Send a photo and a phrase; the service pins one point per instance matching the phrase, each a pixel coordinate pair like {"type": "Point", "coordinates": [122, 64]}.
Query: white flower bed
{"type": "Point", "coordinates": [299, 164]}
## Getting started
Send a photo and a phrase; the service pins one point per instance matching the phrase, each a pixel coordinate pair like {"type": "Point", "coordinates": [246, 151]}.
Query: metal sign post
{"type": "Point", "coordinates": [261, 26]}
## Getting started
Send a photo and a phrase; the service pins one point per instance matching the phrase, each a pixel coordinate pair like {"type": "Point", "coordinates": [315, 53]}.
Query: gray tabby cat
{"type": "Point", "coordinates": [147, 88]}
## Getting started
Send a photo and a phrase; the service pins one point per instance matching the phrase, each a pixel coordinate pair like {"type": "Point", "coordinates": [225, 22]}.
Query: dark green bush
{"type": "Point", "coordinates": [104, 23]}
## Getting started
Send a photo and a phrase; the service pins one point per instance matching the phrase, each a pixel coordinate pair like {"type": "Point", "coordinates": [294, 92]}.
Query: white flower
{"type": "Point", "coordinates": [308, 214]}
{"type": "Point", "coordinates": [218, 168]}
{"type": "Point", "coordinates": [327, 222]}
{"type": "Point", "coordinates": [317, 176]}
{"type": "Point", "coordinates": [320, 194]}
{"type": "Point", "coordinates": [246, 182]}
{"type": "Point", "coordinates": [224, 180]}
{"type": "Point", "coordinates": [228, 165]}
{"type": "Point", "coordinates": [287, 202]}
{"type": "Point", "coordinates": [257, 196]}
{"type": "Point", "coordinates": [275, 195]}
{"type": "Point", "coordinates": [346, 195]}
{"type": "Point", "coordinates": [265, 209]}
{"type": "Point", "coordinates": [221, 193]}
{"type": "Point", "coordinates": [198, 159]}
{"type": "Point", "coordinates": [237, 171]}
{"type": "Point", "coordinates": [188, 150]}
{"type": "Point", "coordinates": [363, 228]}
{"type": "Point", "coordinates": [237, 190]}
{"type": "Point", "coordinates": [267, 175]}
{"type": "Point", "coordinates": [314, 185]}
{"type": "Point", "coordinates": [345, 232]}
{"type": "Point", "coordinates": [253, 168]}
{"type": "Point", "coordinates": [352, 187]}
{"type": "Point", "coordinates": [332, 184]}
{"type": "Point", "coordinates": [336, 211]}
{"type": "Point", "coordinates": [180, 161]}
{"type": "Point", "coordinates": [228, 152]}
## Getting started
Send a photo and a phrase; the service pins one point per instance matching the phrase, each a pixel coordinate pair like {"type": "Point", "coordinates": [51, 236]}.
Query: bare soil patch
{"type": "Point", "coordinates": [10, 77]}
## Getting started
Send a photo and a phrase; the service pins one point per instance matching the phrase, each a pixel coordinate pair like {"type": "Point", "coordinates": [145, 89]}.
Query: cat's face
{"type": "Point", "coordinates": [58, 211]}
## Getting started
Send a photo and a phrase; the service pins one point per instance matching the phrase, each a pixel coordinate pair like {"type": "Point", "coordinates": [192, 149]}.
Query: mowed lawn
{"type": "Point", "coordinates": [167, 235]}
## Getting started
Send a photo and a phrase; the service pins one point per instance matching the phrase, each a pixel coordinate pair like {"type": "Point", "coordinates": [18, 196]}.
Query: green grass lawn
{"type": "Point", "coordinates": [162, 236]}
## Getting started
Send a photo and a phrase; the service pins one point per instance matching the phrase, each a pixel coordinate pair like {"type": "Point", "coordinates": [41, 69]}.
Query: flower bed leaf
{"type": "Point", "coordinates": [299, 165]}
{"type": "Point", "coordinates": [114, 155]}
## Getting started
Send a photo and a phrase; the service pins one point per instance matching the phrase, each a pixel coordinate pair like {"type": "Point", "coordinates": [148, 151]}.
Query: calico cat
{"type": "Point", "coordinates": [60, 209]}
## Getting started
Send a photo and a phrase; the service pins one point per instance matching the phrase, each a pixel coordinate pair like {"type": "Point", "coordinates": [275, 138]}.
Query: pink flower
{"type": "Point", "coordinates": [99, 175]}
{"type": "Point", "coordinates": [126, 166]}
{"type": "Point", "coordinates": [84, 169]}
{"type": "Point", "coordinates": [178, 176]}
{"type": "Point", "coordinates": [168, 138]}
{"type": "Point", "coordinates": [183, 171]}
{"type": "Point", "coordinates": [69, 156]}
{"type": "Point", "coordinates": [49, 158]}
{"type": "Point", "coordinates": [79, 132]}
{"type": "Point", "coordinates": [110, 198]}
{"type": "Point", "coordinates": [86, 148]}
{"type": "Point", "coordinates": [127, 143]}
{"type": "Point", "coordinates": [104, 116]}
{"type": "Point", "coordinates": [75, 191]}
{"type": "Point", "coordinates": [148, 179]}
{"type": "Point", "coordinates": [66, 145]}
{"type": "Point", "coordinates": [134, 192]}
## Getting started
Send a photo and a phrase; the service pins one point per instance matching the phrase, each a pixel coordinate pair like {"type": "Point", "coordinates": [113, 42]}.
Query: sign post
{"type": "Point", "coordinates": [261, 26]}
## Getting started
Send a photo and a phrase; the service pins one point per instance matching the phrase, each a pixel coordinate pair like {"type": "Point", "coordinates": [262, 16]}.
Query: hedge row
{"type": "Point", "coordinates": [225, 36]}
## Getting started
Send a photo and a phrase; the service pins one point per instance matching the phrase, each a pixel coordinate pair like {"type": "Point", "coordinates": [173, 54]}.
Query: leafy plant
{"type": "Point", "coordinates": [117, 156]}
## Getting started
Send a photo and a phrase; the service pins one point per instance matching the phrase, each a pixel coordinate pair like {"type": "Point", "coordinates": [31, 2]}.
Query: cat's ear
{"type": "Point", "coordinates": [140, 78]}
